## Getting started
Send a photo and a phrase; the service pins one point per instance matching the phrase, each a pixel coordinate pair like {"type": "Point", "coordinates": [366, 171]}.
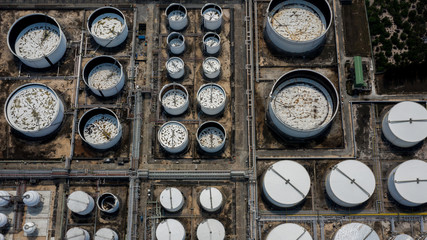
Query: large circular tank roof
{"type": "Point", "coordinates": [408, 121]}
{"type": "Point", "coordinates": [286, 183]}
{"type": "Point", "coordinates": [403, 237]}
{"type": "Point", "coordinates": [211, 136]}
{"type": "Point", "coordinates": [173, 137]}
{"type": "Point", "coordinates": [289, 231]}
{"type": "Point", "coordinates": [77, 233]}
{"type": "Point", "coordinates": [408, 182]}
{"type": "Point", "coordinates": [170, 229]}
{"type": "Point", "coordinates": [31, 198]}
{"type": "Point", "coordinates": [106, 233]}
{"type": "Point", "coordinates": [80, 202]}
{"type": "Point", "coordinates": [211, 229]}
{"type": "Point", "coordinates": [4, 198]}
{"type": "Point", "coordinates": [350, 183]}
{"type": "Point", "coordinates": [211, 199]}
{"type": "Point", "coordinates": [174, 98]}
{"type": "Point", "coordinates": [356, 231]}
{"type": "Point", "coordinates": [302, 103]}
{"type": "Point", "coordinates": [171, 199]}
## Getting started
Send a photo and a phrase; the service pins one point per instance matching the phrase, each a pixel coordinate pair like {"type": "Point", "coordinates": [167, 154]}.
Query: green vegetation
{"type": "Point", "coordinates": [398, 31]}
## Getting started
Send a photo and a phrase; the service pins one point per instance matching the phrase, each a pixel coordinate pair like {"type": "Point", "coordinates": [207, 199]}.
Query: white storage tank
{"type": "Point", "coordinates": [177, 16]}
{"type": "Point", "coordinates": [289, 231]}
{"type": "Point", "coordinates": [403, 237]}
{"type": "Point", "coordinates": [170, 229]}
{"type": "Point", "coordinates": [106, 233]}
{"type": "Point", "coordinates": [175, 67]}
{"type": "Point", "coordinates": [350, 183]}
{"type": "Point", "coordinates": [211, 229]}
{"type": "Point", "coordinates": [211, 67]}
{"type": "Point", "coordinates": [211, 137]}
{"type": "Point", "coordinates": [1, 237]}
{"type": "Point", "coordinates": [286, 184]}
{"type": "Point", "coordinates": [211, 43]}
{"type": "Point", "coordinates": [173, 137]}
{"type": "Point", "coordinates": [297, 27]}
{"type": "Point", "coordinates": [108, 203]}
{"type": "Point", "coordinates": [77, 233]}
{"type": "Point", "coordinates": [4, 198]}
{"type": "Point", "coordinates": [100, 128]}
{"type": "Point", "coordinates": [31, 198]}
{"type": "Point", "coordinates": [37, 40]}
{"type": "Point", "coordinates": [34, 110]}
{"type": "Point", "coordinates": [176, 43]}
{"type": "Point", "coordinates": [405, 125]}
{"type": "Point", "coordinates": [174, 98]}
{"type": "Point", "coordinates": [356, 231]}
{"type": "Point", "coordinates": [211, 199]}
{"type": "Point", "coordinates": [104, 76]}
{"type": "Point", "coordinates": [172, 199]}
{"type": "Point", "coordinates": [80, 203]}
{"type": "Point", "coordinates": [108, 27]}
{"type": "Point", "coordinates": [29, 228]}
{"type": "Point", "coordinates": [212, 16]}
{"type": "Point", "coordinates": [3, 220]}
{"type": "Point", "coordinates": [211, 98]}
{"type": "Point", "coordinates": [407, 183]}
{"type": "Point", "coordinates": [302, 104]}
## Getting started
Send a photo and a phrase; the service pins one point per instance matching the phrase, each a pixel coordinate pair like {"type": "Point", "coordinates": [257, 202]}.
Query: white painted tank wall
{"type": "Point", "coordinates": [177, 25]}
{"type": "Point", "coordinates": [80, 202]}
{"type": "Point", "coordinates": [211, 229]}
{"type": "Point", "coordinates": [212, 50]}
{"type": "Point", "coordinates": [108, 92]}
{"type": "Point", "coordinates": [56, 122]}
{"type": "Point", "coordinates": [3, 220]}
{"type": "Point", "coordinates": [289, 231]}
{"type": "Point", "coordinates": [172, 199]}
{"type": "Point", "coordinates": [174, 111]}
{"type": "Point", "coordinates": [211, 75]}
{"type": "Point", "coordinates": [4, 198]}
{"type": "Point", "coordinates": [119, 39]}
{"type": "Point", "coordinates": [77, 233]}
{"type": "Point", "coordinates": [356, 231]}
{"type": "Point", "coordinates": [100, 199]}
{"type": "Point", "coordinates": [1, 237]}
{"type": "Point", "coordinates": [410, 194]}
{"type": "Point", "coordinates": [170, 229]}
{"type": "Point", "coordinates": [211, 199]}
{"type": "Point", "coordinates": [176, 149]}
{"type": "Point", "coordinates": [180, 73]}
{"type": "Point", "coordinates": [213, 110]}
{"type": "Point", "coordinates": [290, 46]}
{"type": "Point", "coordinates": [212, 25]}
{"type": "Point", "coordinates": [92, 112]}
{"type": "Point", "coordinates": [29, 227]}
{"type": "Point", "coordinates": [216, 125]}
{"type": "Point", "coordinates": [31, 198]}
{"type": "Point", "coordinates": [299, 133]}
{"type": "Point", "coordinates": [177, 50]}
{"type": "Point", "coordinates": [53, 57]}
{"type": "Point", "coordinates": [403, 237]}
{"type": "Point", "coordinates": [106, 233]}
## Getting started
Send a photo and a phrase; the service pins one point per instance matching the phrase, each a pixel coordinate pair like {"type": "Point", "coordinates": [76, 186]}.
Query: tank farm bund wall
{"type": "Point", "coordinates": [136, 169]}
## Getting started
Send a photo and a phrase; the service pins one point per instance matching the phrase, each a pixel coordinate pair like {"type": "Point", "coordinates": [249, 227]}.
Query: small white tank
{"type": "Point", "coordinates": [106, 233]}
{"type": "Point", "coordinates": [403, 237]}
{"type": "Point", "coordinates": [350, 183]}
{"type": "Point", "coordinates": [1, 237]}
{"type": "Point", "coordinates": [176, 43]}
{"type": "Point", "coordinates": [104, 76]}
{"type": "Point", "coordinates": [80, 203]}
{"type": "Point", "coordinates": [289, 231]}
{"type": "Point", "coordinates": [211, 67]}
{"type": "Point", "coordinates": [175, 67]}
{"type": "Point", "coordinates": [108, 27]}
{"type": "Point", "coordinates": [171, 199]}
{"type": "Point", "coordinates": [173, 137]}
{"type": "Point", "coordinates": [211, 199]}
{"type": "Point", "coordinates": [77, 233]}
{"type": "Point", "coordinates": [286, 184]}
{"type": "Point", "coordinates": [211, 137]}
{"type": "Point", "coordinates": [34, 110]}
{"type": "Point", "coordinates": [407, 183]}
{"type": "Point", "coordinates": [31, 198]}
{"type": "Point", "coordinates": [405, 125]}
{"type": "Point", "coordinates": [211, 98]}
{"type": "Point", "coordinates": [356, 231]}
{"type": "Point", "coordinates": [3, 220]}
{"type": "Point", "coordinates": [37, 40]}
{"type": "Point", "coordinates": [211, 229]}
{"type": "Point", "coordinates": [212, 16]}
{"type": "Point", "coordinates": [108, 203]}
{"type": "Point", "coordinates": [170, 229]}
{"type": "Point", "coordinates": [100, 128]}
{"type": "Point", "coordinates": [4, 198]}
{"type": "Point", "coordinates": [177, 16]}
{"type": "Point", "coordinates": [211, 43]}
{"type": "Point", "coordinates": [174, 98]}
{"type": "Point", "coordinates": [29, 227]}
